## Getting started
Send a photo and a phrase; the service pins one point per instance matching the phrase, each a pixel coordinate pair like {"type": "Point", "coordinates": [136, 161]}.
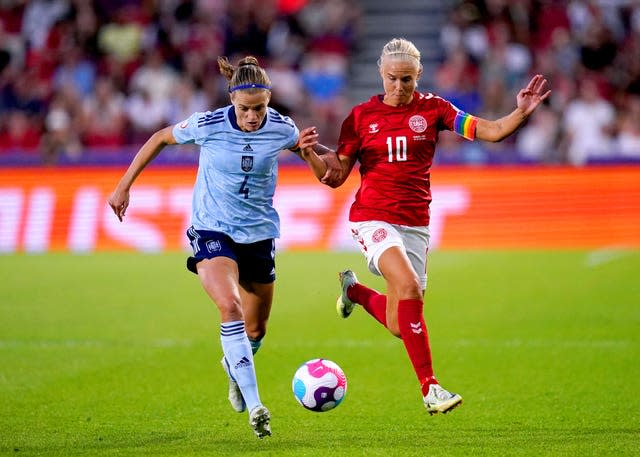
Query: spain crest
{"type": "Point", "coordinates": [247, 163]}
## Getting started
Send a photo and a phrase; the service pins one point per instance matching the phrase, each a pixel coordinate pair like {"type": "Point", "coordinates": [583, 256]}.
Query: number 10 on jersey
{"type": "Point", "coordinates": [400, 148]}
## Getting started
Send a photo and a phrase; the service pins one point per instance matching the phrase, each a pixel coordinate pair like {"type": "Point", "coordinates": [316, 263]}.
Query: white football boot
{"type": "Point", "coordinates": [259, 419]}
{"type": "Point", "coordinates": [344, 306]}
{"type": "Point", "coordinates": [439, 400]}
{"type": "Point", "coordinates": [235, 396]}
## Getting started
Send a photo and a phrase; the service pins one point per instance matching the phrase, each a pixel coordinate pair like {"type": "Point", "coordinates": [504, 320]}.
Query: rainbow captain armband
{"type": "Point", "coordinates": [465, 125]}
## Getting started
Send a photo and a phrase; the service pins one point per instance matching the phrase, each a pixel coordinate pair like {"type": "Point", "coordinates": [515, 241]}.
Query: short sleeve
{"type": "Point", "coordinates": [295, 133]}
{"type": "Point", "coordinates": [348, 142]}
{"type": "Point", "coordinates": [186, 131]}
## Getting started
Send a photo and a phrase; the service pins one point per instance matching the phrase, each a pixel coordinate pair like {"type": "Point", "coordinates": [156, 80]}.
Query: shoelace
{"type": "Point", "coordinates": [440, 393]}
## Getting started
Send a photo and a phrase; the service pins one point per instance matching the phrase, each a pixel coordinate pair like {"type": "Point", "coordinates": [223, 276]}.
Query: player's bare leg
{"type": "Point", "coordinates": [219, 277]}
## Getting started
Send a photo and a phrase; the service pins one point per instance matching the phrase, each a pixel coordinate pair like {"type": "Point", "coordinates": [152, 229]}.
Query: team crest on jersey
{"type": "Point", "coordinates": [213, 245]}
{"type": "Point", "coordinates": [184, 125]}
{"type": "Point", "coordinates": [374, 128]}
{"type": "Point", "coordinates": [418, 123]}
{"type": "Point", "coordinates": [247, 163]}
{"type": "Point", "coordinates": [379, 235]}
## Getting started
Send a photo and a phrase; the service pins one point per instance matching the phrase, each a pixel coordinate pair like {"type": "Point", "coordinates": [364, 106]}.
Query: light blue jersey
{"type": "Point", "coordinates": [237, 172]}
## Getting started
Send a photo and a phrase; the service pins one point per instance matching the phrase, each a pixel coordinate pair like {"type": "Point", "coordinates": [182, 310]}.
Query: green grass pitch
{"type": "Point", "coordinates": [118, 355]}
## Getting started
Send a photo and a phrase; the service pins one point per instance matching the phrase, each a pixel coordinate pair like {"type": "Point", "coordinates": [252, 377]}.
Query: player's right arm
{"type": "Point", "coordinates": [348, 145]}
{"type": "Point", "coordinates": [119, 199]}
{"type": "Point", "coordinates": [346, 164]}
{"type": "Point", "coordinates": [334, 169]}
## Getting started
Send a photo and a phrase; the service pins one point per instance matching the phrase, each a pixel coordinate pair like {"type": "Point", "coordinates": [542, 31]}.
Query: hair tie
{"type": "Point", "coordinates": [249, 86]}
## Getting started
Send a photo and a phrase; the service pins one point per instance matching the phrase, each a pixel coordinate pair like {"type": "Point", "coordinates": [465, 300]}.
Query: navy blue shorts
{"type": "Point", "coordinates": [256, 261]}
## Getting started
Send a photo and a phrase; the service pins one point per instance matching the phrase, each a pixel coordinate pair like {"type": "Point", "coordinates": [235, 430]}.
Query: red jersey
{"type": "Point", "coordinates": [395, 146]}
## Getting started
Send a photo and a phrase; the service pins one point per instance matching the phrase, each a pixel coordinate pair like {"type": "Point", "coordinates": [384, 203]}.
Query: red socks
{"type": "Point", "coordinates": [371, 300]}
{"type": "Point", "coordinates": [413, 329]}
{"type": "Point", "coordinates": [416, 340]}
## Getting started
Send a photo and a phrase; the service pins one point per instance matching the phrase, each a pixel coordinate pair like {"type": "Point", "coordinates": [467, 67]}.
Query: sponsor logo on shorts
{"type": "Point", "coordinates": [418, 123]}
{"type": "Point", "coordinates": [214, 246]}
{"type": "Point", "coordinates": [379, 235]}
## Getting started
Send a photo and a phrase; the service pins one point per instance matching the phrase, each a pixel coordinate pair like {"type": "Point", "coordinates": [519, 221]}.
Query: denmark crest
{"type": "Point", "coordinates": [247, 163]}
{"type": "Point", "coordinates": [418, 123]}
{"type": "Point", "coordinates": [379, 235]}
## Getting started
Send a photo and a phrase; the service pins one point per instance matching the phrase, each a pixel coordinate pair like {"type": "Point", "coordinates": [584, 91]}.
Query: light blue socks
{"type": "Point", "coordinates": [239, 354]}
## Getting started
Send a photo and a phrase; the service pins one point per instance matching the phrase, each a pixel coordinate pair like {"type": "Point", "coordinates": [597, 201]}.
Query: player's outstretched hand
{"type": "Point", "coordinates": [531, 96]}
{"type": "Point", "coordinates": [119, 201]}
{"type": "Point", "coordinates": [307, 139]}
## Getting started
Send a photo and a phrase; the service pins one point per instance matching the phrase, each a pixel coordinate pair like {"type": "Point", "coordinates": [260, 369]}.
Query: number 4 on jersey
{"type": "Point", "coordinates": [244, 189]}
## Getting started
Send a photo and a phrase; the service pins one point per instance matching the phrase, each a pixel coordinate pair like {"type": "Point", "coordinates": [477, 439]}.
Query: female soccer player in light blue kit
{"type": "Point", "coordinates": [234, 223]}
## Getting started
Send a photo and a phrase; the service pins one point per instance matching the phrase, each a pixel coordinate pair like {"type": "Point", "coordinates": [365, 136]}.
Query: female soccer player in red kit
{"type": "Point", "coordinates": [393, 136]}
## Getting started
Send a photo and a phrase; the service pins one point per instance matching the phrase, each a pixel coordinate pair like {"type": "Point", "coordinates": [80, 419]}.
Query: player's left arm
{"type": "Point", "coordinates": [527, 101]}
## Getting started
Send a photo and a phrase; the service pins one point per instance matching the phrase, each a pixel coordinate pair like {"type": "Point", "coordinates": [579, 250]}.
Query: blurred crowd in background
{"type": "Point", "coordinates": [80, 77]}
{"type": "Point", "coordinates": [588, 50]}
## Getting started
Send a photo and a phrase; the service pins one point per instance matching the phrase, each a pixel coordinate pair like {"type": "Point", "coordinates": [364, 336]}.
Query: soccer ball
{"type": "Point", "coordinates": [319, 385]}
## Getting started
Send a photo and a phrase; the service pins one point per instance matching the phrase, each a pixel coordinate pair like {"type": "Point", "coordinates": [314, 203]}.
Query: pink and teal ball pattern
{"type": "Point", "coordinates": [319, 385]}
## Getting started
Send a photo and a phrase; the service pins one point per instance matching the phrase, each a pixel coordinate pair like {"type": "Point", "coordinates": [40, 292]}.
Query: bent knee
{"type": "Point", "coordinates": [410, 289]}
{"type": "Point", "coordinates": [230, 309]}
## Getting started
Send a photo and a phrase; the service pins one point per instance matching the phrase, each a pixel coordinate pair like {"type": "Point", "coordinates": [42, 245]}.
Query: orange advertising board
{"type": "Point", "coordinates": [64, 209]}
